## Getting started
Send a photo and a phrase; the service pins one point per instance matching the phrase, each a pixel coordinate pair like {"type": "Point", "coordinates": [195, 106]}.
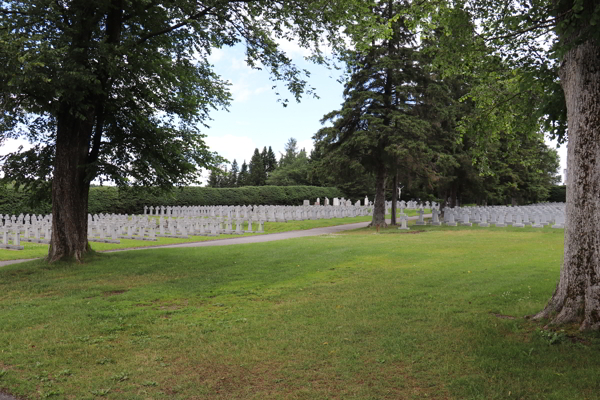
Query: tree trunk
{"type": "Point", "coordinates": [394, 198]}
{"type": "Point", "coordinates": [577, 295]}
{"type": "Point", "coordinates": [379, 206]}
{"type": "Point", "coordinates": [70, 189]}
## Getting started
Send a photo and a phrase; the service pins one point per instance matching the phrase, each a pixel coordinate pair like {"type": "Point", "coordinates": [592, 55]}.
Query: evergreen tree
{"type": "Point", "coordinates": [233, 174]}
{"type": "Point", "coordinates": [257, 175]}
{"type": "Point", "coordinates": [243, 175]}
{"type": "Point", "coordinates": [218, 177]}
{"type": "Point", "coordinates": [291, 151]}
{"type": "Point", "coordinates": [378, 124]}
{"type": "Point", "coordinates": [271, 163]}
{"type": "Point", "coordinates": [265, 155]}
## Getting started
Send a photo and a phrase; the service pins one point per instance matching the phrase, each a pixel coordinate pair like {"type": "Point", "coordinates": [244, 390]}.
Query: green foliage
{"type": "Point", "coordinates": [257, 174]}
{"type": "Point", "coordinates": [107, 199]}
{"type": "Point", "coordinates": [13, 201]}
{"type": "Point", "coordinates": [131, 83]}
{"type": "Point", "coordinates": [292, 173]}
{"type": "Point", "coordinates": [242, 179]}
{"type": "Point", "coordinates": [558, 194]}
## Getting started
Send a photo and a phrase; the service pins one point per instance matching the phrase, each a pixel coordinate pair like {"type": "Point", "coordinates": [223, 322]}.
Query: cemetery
{"type": "Point", "coordinates": [335, 315]}
{"type": "Point", "coordinates": [139, 260]}
{"type": "Point", "coordinates": [213, 221]}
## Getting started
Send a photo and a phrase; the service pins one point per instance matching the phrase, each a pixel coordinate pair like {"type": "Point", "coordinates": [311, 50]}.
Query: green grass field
{"type": "Point", "coordinates": [435, 314]}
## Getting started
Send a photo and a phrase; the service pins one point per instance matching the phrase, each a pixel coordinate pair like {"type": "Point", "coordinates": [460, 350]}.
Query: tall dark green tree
{"type": "Point", "coordinates": [243, 175]}
{"type": "Point", "coordinates": [291, 152]}
{"type": "Point", "coordinates": [271, 161]}
{"type": "Point", "coordinates": [378, 124]}
{"type": "Point", "coordinates": [233, 174]}
{"type": "Point", "coordinates": [118, 89]}
{"type": "Point", "coordinates": [256, 174]}
{"type": "Point", "coordinates": [218, 178]}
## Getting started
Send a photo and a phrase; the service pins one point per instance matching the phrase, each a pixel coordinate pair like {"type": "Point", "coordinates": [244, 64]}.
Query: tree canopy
{"type": "Point", "coordinates": [553, 51]}
{"type": "Point", "coordinates": [120, 90]}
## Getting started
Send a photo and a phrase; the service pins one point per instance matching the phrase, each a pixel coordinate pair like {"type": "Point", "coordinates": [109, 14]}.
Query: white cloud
{"type": "Point", "coordinates": [306, 144]}
{"type": "Point", "coordinates": [12, 145]}
{"type": "Point", "coordinates": [240, 90]}
{"type": "Point", "coordinates": [232, 147]}
{"type": "Point", "coordinates": [216, 55]}
{"type": "Point", "coordinates": [292, 48]}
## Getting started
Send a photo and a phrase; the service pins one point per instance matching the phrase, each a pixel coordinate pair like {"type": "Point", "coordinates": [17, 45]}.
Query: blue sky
{"type": "Point", "coordinates": [256, 119]}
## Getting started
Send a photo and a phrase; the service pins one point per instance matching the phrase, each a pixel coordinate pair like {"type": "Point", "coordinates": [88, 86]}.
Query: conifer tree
{"type": "Point", "coordinates": [271, 163]}
{"type": "Point", "coordinates": [378, 124]}
{"type": "Point", "coordinates": [256, 175]}
{"type": "Point", "coordinates": [243, 175]}
{"type": "Point", "coordinates": [233, 174]}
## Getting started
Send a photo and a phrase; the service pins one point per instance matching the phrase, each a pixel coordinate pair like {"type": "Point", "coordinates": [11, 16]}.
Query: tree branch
{"type": "Point", "coordinates": [171, 28]}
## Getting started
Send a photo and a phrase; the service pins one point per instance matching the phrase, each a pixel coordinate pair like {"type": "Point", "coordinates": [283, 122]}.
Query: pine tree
{"type": "Point", "coordinates": [378, 124]}
{"type": "Point", "coordinates": [271, 163]}
{"type": "Point", "coordinates": [257, 175]}
{"type": "Point", "coordinates": [242, 179]}
{"type": "Point", "coordinates": [291, 152]}
{"type": "Point", "coordinates": [265, 155]}
{"type": "Point", "coordinates": [233, 174]}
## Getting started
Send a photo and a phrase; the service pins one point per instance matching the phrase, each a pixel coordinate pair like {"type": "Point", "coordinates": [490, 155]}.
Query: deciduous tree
{"type": "Point", "coordinates": [555, 46]}
{"type": "Point", "coordinates": [119, 89]}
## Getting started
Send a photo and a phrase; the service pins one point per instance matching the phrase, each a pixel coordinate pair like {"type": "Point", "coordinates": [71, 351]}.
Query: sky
{"type": "Point", "coordinates": [256, 119]}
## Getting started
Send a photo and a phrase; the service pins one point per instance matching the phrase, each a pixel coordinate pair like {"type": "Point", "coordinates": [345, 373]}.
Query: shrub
{"type": "Point", "coordinates": [108, 199]}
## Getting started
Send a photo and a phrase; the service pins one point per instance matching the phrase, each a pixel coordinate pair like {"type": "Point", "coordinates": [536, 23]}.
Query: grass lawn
{"type": "Point", "coordinates": [359, 315]}
{"type": "Point", "coordinates": [35, 250]}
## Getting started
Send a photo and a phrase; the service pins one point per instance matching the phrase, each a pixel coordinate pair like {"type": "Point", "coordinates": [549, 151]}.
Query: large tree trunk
{"type": "Point", "coordinates": [70, 189]}
{"type": "Point", "coordinates": [577, 295]}
{"type": "Point", "coordinates": [379, 206]}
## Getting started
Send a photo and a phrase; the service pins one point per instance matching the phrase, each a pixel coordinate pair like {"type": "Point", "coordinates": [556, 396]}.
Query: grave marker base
{"type": "Point", "coordinates": [11, 247]}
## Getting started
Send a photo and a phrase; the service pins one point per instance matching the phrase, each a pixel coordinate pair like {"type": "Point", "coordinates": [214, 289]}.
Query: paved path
{"type": "Point", "coordinates": [241, 240]}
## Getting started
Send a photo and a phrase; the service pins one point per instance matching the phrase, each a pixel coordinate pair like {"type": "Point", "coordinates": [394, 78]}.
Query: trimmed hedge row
{"type": "Point", "coordinates": [107, 199]}
{"type": "Point", "coordinates": [558, 194]}
{"type": "Point", "coordinates": [14, 202]}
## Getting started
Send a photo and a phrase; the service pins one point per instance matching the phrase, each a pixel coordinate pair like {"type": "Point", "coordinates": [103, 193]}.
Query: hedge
{"type": "Point", "coordinates": [108, 199]}
{"type": "Point", "coordinates": [558, 194]}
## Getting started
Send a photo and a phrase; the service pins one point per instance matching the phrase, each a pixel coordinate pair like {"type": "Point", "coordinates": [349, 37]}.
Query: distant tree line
{"type": "Point", "coordinates": [294, 168]}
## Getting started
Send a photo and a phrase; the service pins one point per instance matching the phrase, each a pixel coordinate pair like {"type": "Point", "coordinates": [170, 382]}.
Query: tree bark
{"type": "Point", "coordinates": [577, 295]}
{"type": "Point", "coordinates": [70, 188]}
{"type": "Point", "coordinates": [379, 206]}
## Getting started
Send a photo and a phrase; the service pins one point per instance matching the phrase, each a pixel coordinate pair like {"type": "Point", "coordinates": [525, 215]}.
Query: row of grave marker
{"type": "Point", "coordinates": [536, 216]}
{"type": "Point", "coordinates": [185, 221]}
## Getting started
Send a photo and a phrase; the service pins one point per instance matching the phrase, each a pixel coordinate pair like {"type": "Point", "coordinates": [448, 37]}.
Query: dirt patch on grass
{"type": "Point", "coordinates": [233, 379]}
{"type": "Point", "coordinates": [113, 292]}
{"type": "Point", "coordinates": [394, 381]}
{"type": "Point", "coordinates": [502, 316]}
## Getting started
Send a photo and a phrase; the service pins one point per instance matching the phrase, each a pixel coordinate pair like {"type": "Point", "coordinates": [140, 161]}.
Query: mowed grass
{"type": "Point", "coordinates": [36, 250]}
{"type": "Point", "coordinates": [360, 315]}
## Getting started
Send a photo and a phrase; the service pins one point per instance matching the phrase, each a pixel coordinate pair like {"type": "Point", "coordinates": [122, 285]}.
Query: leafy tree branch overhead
{"type": "Point", "coordinates": [120, 89]}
